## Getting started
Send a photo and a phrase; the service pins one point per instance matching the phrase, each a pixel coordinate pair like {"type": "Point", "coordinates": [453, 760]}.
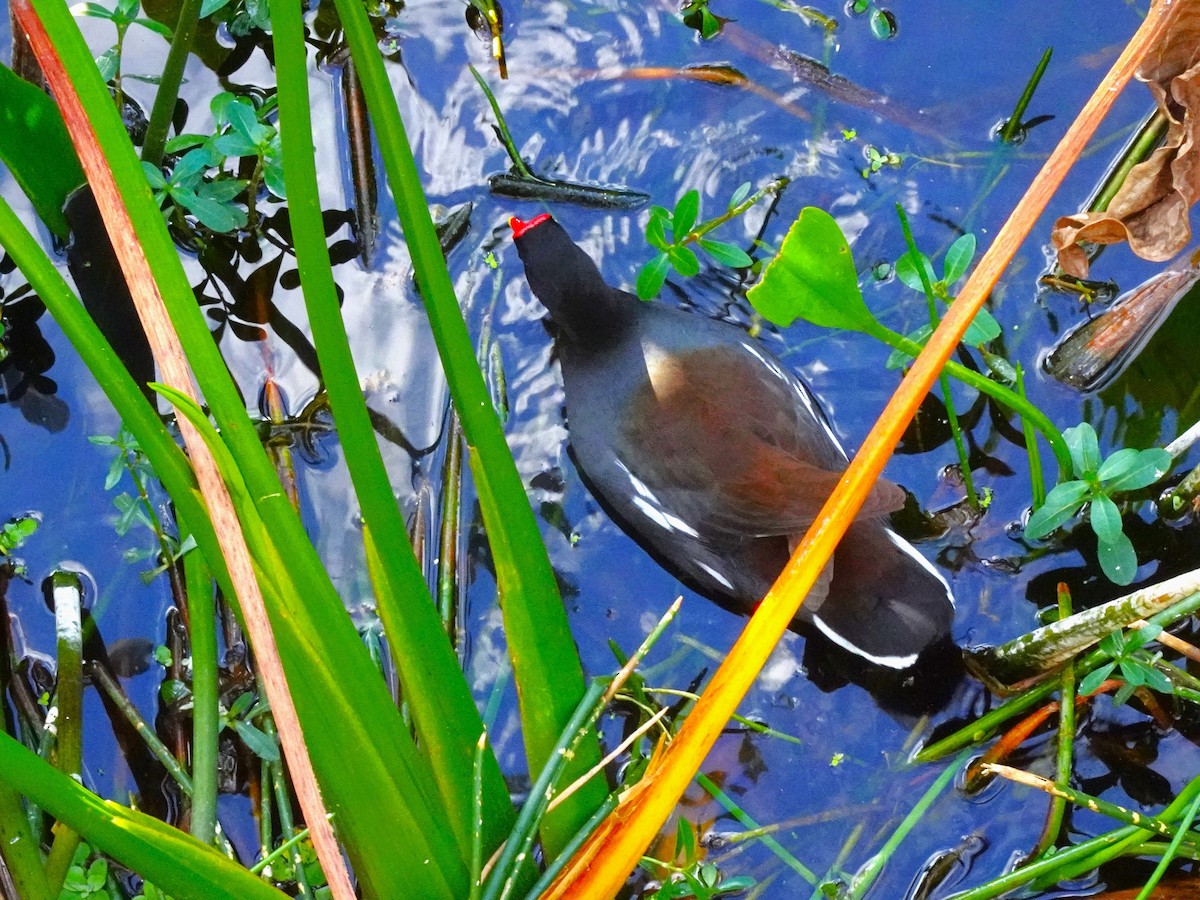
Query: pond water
{"type": "Point", "coordinates": [952, 72]}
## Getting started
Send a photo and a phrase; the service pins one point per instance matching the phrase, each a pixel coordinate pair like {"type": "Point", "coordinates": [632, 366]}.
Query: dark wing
{"type": "Point", "coordinates": [731, 444]}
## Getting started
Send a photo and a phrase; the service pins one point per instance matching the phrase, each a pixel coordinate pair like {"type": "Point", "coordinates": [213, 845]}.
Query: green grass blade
{"type": "Point", "coordinates": [171, 859]}
{"type": "Point", "coordinates": [438, 696]}
{"type": "Point", "coordinates": [19, 850]}
{"type": "Point", "coordinates": [417, 849]}
{"type": "Point", "coordinates": [37, 149]}
{"type": "Point", "coordinates": [315, 616]}
{"type": "Point", "coordinates": [544, 658]}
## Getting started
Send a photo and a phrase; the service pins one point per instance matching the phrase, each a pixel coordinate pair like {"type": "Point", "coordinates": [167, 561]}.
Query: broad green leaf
{"type": "Point", "coordinates": [1114, 644]}
{"type": "Point", "coordinates": [999, 366]}
{"type": "Point", "coordinates": [219, 217]}
{"type": "Point", "coordinates": [983, 328]}
{"type": "Point", "coordinates": [909, 274]}
{"type": "Point", "coordinates": [185, 142]}
{"type": "Point", "coordinates": [183, 866]}
{"type": "Point", "coordinates": [958, 259]}
{"type": "Point", "coordinates": [686, 211]}
{"type": "Point", "coordinates": [243, 120]}
{"type": "Point", "coordinates": [1061, 504]}
{"type": "Point", "coordinates": [1095, 678]}
{"type": "Point", "coordinates": [656, 232]}
{"type": "Point", "coordinates": [108, 63]}
{"type": "Point", "coordinates": [1134, 469]}
{"type": "Point", "coordinates": [154, 176]}
{"type": "Point", "coordinates": [742, 192]}
{"type": "Point", "coordinates": [235, 144]}
{"type": "Point", "coordinates": [1118, 560]}
{"type": "Point", "coordinates": [160, 29]}
{"type": "Point", "coordinates": [727, 254]}
{"type": "Point", "coordinates": [35, 146]}
{"type": "Point", "coordinates": [883, 24]}
{"type": "Point", "coordinates": [813, 278]}
{"type": "Point", "coordinates": [208, 7]}
{"type": "Point", "coordinates": [1155, 679]}
{"type": "Point", "coordinates": [273, 179]}
{"type": "Point", "coordinates": [95, 10]}
{"type": "Point", "coordinates": [257, 741]}
{"type": "Point", "coordinates": [652, 275]}
{"type": "Point", "coordinates": [1142, 636]}
{"type": "Point", "coordinates": [1085, 449]}
{"type": "Point", "coordinates": [192, 165]}
{"type": "Point", "coordinates": [1105, 519]}
{"type": "Point", "coordinates": [1124, 692]}
{"type": "Point", "coordinates": [222, 191]}
{"type": "Point", "coordinates": [684, 261]}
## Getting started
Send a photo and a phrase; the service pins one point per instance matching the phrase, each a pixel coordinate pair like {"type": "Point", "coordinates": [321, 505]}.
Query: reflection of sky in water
{"type": "Point", "coordinates": [573, 118]}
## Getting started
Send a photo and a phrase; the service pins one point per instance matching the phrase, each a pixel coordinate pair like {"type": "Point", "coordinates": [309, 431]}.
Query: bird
{"type": "Point", "coordinates": [714, 456]}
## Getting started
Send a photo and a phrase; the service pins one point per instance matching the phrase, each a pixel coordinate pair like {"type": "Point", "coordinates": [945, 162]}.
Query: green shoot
{"type": "Point", "coordinates": [125, 15]}
{"type": "Point", "coordinates": [1093, 487]}
{"type": "Point", "coordinates": [681, 222]}
{"type": "Point", "coordinates": [693, 878]}
{"type": "Point", "coordinates": [1134, 665]}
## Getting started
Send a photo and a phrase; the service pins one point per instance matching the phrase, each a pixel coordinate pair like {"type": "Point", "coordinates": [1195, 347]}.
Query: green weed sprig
{"type": "Point", "coordinates": [681, 222]}
{"type": "Point", "coordinates": [1091, 491]}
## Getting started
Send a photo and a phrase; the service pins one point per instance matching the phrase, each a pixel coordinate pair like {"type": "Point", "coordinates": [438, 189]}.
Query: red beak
{"type": "Point", "coordinates": [519, 227]}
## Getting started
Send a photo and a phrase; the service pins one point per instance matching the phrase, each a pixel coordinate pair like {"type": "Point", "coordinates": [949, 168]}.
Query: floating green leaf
{"type": "Point", "coordinates": [1061, 504]}
{"type": "Point", "coordinates": [1129, 470]}
{"type": "Point", "coordinates": [813, 278]}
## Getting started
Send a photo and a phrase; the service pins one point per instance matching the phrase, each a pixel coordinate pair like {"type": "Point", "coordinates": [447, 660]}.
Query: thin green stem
{"type": "Point", "coordinates": [865, 877]}
{"type": "Point", "coordinates": [1037, 480]}
{"type": "Point", "coordinates": [1064, 756]}
{"type": "Point", "coordinates": [172, 77]}
{"type": "Point", "coordinates": [283, 803]}
{"type": "Point", "coordinates": [68, 701]}
{"type": "Point", "coordinates": [766, 840]}
{"type": "Point", "coordinates": [1148, 137]}
{"type": "Point", "coordinates": [477, 819]}
{"type": "Point", "coordinates": [105, 682]}
{"type": "Point", "coordinates": [964, 459]}
{"type": "Point", "coordinates": [1013, 126]}
{"type": "Point", "coordinates": [986, 726]}
{"type": "Point", "coordinates": [1172, 851]}
{"type": "Point", "coordinates": [278, 853]}
{"type": "Point", "coordinates": [985, 385]}
{"type": "Point", "coordinates": [202, 637]}
{"type": "Point", "coordinates": [502, 881]}
{"type": "Point", "coordinates": [506, 137]}
{"type": "Point", "coordinates": [700, 231]}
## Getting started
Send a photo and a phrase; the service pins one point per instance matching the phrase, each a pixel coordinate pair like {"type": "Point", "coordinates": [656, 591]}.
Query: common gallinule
{"type": "Point", "coordinates": [718, 458]}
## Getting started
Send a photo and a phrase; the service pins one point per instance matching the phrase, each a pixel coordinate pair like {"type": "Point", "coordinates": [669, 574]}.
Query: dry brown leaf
{"type": "Point", "coordinates": [1150, 211]}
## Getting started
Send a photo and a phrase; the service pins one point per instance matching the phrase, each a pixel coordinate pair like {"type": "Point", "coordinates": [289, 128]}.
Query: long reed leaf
{"type": "Point", "coordinates": [437, 695]}
{"type": "Point", "coordinates": [171, 859]}
{"type": "Point", "coordinates": [545, 662]}
{"type": "Point", "coordinates": [384, 865]}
